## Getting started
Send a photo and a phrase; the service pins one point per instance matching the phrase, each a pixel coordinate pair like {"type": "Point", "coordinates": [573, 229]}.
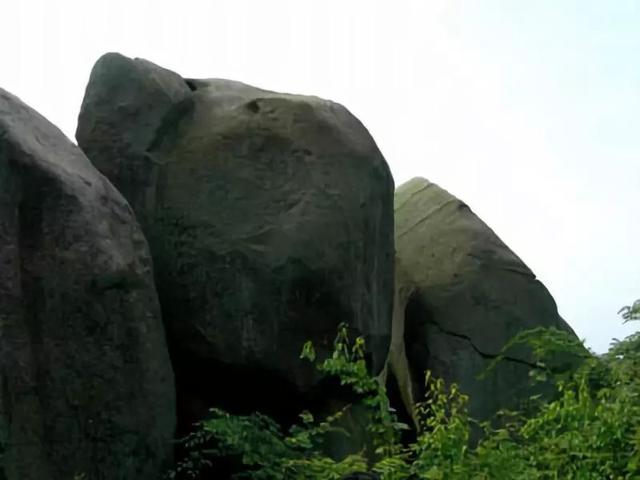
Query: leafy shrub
{"type": "Point", "coordinates": [589, 430]}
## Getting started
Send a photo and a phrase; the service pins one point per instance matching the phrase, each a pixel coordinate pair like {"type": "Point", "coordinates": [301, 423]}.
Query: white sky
{"type": "Point", "coordinates": [528, 111]}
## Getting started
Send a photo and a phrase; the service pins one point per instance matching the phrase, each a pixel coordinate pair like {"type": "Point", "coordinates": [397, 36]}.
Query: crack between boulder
{"type": "Point", "coordinates": [480, 352]}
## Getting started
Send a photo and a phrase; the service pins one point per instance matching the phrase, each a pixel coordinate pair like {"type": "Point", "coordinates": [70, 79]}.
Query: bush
{"type": "Point", "coordinates": [590, 429]}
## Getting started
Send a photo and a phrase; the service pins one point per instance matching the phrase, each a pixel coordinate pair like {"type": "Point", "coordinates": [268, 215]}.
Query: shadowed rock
{"type": "Point", "coordinates": [86, 386]}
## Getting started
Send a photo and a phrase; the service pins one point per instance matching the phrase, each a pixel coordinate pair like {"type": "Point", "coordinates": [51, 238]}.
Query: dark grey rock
{"type": "Point", "coordinates": [86, 386]}
{"type": "Point", "coordinates": [270, 221]}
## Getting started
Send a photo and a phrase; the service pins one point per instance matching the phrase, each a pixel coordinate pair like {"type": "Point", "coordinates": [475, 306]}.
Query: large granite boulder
{"type": "Point", "coordinates": [461, 295]}
{"type": "Point", "coordinates": [86, 384]}
{"type": "Point", "coordinates": [270, 221]}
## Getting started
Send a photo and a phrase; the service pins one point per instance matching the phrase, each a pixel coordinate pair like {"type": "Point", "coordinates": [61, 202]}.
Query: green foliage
{"type": "Point", "coordinates": [589, 430]}
{"type": "Point", "coordinates": [556, 354]}
{"type": "Point", "coordinates": [269, 453]}
{"type": "Point", "coordinates": [265, 451]}
{"type": "Point", "coordinates": [631, 312]}
{"type": "Point", "coordinates": [347, 363]}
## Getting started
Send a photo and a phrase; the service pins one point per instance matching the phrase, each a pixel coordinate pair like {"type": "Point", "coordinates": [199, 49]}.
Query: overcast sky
{"type": "Point", "coordinates": [526, 110]}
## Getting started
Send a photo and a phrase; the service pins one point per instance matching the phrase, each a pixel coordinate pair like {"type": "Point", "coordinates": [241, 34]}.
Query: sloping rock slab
{"type": "Point", "coordinates": [462, 294]}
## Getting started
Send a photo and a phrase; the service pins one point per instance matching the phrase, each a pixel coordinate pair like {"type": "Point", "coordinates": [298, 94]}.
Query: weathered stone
{"type": "Point", "coordinates": [86, 385]}
{"type": "Point", "coordinates": [270, 221]}
{"type": "Point", "coordinates": [461, 295]}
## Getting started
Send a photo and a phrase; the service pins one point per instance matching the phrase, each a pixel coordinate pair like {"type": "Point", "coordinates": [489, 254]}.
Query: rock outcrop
{"type": "Point", "coordinates": [270, 221]}
{"type": "Point", "coordinates": [266, 220]}
{"type": "Point", "coordinates": [86, 384]}
{"type": "Point", "coordinates": [461, 295]}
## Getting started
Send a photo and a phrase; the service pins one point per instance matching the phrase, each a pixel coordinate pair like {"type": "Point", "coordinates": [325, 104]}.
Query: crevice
{"type": "Point", "coordinates": [398, 376]}
{"type": "Point", "coordinates": [191, 84]}
{"type": "Point", "coordinates": [489, 356]}
{"type": "Point", "coordinates": [170, 124]}
{"type": "Point", "coordinates": [417, 316]}
{"type": "Point", "coordinates": [397, 402]}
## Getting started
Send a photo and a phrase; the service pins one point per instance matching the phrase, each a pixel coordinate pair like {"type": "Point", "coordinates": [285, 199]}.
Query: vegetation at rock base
{"type": "Point", "coordinates": [590, 429]}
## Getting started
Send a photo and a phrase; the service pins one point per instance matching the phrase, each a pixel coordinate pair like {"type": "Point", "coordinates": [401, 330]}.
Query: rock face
{"type": "Point", "coordinates": [269, 217]}
{"type": "Point", "coordinates": [461, 294]}
{"type": "Point", "coordinates": [86, 385]}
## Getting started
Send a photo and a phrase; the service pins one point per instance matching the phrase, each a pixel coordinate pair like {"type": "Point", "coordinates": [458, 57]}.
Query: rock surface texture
{"type": "Point", "coordinates": [269, 217]}
{"type": "Point", "coordinates": [86, 384]}
{"type": "Point", "coordinates": [461, 294]}
{"type": "Point", "coordinates": [266, 220]}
